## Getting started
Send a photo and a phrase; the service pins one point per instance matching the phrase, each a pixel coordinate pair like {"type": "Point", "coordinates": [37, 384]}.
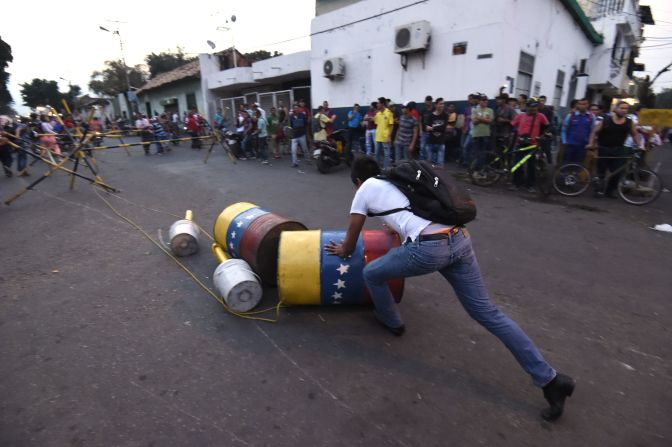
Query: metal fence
{"type": "Point", "coordinates": [266, 101]}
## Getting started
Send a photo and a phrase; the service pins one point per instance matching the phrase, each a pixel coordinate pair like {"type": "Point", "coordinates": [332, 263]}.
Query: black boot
{"type": "Point", "coordinates": [555, 393]}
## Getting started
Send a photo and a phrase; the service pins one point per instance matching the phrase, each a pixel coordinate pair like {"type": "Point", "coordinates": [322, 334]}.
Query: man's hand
{"type": "Point", "coordinates": [335, 249]}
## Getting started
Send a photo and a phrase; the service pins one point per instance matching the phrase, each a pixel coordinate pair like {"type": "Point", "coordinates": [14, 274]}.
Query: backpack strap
{"type": "Point", "coordinates": [388, 212]}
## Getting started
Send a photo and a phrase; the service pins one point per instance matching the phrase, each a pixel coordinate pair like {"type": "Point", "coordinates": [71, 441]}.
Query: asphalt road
{"type": "Point", "coordinates": [105, 342]}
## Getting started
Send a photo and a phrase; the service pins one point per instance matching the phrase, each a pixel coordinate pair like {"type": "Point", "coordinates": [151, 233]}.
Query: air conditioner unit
{"type": "Point", "coordinates": [334, 68]}
{"type": "Point", "coordinates": [412, 37]}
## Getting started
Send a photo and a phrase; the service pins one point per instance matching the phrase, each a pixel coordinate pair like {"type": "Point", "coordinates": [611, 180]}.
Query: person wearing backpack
{"type": "Point", "coordinates": [432, 244]}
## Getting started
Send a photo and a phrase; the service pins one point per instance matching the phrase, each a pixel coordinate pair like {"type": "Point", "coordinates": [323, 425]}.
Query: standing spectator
{"type": "Point", "coordinates": [435, 126]}
{"type": "Point", "coordinates": [256, 107]}
{"type": "Point", "coordinates": [482, 117]}
{"type": "Point", "coordinates": [193, 127]}
{"type": "Point", "coordinates": [146, 135]}
{"type": "Point", "coordinates": [529, 126]}
{"type": "Point", "coordinates": [331, 116]}
{"type": "Point", "coordinates": [354, 126]}
{"type": "Point", "coordinates": [159, 134]}
{"type": "Point", "coordinates": [6, 129]}
{"type": "Point", "coordinates": [549, 113]}
{"type": "Point", "coordinates": [23, 139]}
{"type": "Point", "coordinates": [425, 120]}
{"type": "Point", "coordinates": [522, 103]}
{"type": "Point", "coordinates": [466, 131]}
{"type": "Point", "coordinates": [598, 111]}
{"type": "Point", "coordinates": [272, 122]}
{"type": "Point", "coordinates": [407, 135]}
{"type": "Point", "coordinates": [451, 132]}
{"type": "Point", "coordinates": [320, 122]}
{"type": "Point", "coordinates": [576, 128]}
{"type": "Point", "coordinates": [384, 122]}
{"type": "Point", "coordinates": [370, 135]}
{"type": "Point", "coordinates": [297, 122]}
{"type": "Point", "coordinates": [262, 137]}
{"type": "Point", "coordinates": [219, 119]}
{"type": "Point", "coordinates": [504, 115]}
{"type": "Point", "coordinates": [609, 135]}
{"type": "Point", "coordinates": [48, 139]}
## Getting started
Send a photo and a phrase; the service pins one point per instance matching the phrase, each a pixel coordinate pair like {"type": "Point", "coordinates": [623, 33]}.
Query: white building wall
{"type": "Point", "coordinates": [502, 28]}
{"type": "Point", "coordinates": [602, 71]}
{"type": "Point", "coordinates": [177, 90]}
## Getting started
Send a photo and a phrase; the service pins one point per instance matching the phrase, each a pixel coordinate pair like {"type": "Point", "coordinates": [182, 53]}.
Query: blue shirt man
{"type": "Point", "coordinates": [575, 132]}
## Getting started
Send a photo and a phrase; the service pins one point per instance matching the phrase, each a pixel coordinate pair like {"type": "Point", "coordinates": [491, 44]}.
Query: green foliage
{"type": "Point", "coordinates": [260, 55]}
{"type": "Point", "coordinates": [40, 92]}
{"type": "Point", "coordinates": [5, 58]}
{"type": "Point", "coordinates": [664, 99]}
{"type": "Point", "coordinates": [112, 79]}
{"type": "Point", "coordinates": [645, 94]}
{"type": "Point", "coordinates": [166, 61]}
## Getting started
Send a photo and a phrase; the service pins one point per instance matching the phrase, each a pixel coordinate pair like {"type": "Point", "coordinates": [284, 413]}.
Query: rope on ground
{"type": "Point", "coordinates": [246, 315]}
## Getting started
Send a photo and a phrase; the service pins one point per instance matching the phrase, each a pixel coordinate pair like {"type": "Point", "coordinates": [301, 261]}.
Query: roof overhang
{"type": "Point", "coordinates": [580, 18]}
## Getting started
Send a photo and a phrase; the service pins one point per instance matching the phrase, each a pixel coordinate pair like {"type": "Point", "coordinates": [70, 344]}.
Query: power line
{"type": "Point", "coordinates": [348, 24]}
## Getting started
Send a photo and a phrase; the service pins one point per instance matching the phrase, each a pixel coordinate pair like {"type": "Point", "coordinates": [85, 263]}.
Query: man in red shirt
{"type": "Point", "coordinates": [529, 126]}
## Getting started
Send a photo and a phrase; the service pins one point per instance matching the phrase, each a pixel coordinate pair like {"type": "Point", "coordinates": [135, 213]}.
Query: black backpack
{"type": "Point", "coordinates": [434, 195]}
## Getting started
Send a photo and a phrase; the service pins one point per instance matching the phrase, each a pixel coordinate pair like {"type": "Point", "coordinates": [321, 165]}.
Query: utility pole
{"type": "Point", "coordinates": [132, 107]}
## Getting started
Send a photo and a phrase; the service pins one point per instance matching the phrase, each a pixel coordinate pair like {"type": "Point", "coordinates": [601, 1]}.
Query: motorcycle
{"type": "Point", "coordinates": [330, 153]}
{"type": "Point", "coordinates": [233, 143]}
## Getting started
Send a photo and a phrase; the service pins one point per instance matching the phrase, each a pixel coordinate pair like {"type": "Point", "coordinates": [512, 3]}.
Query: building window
{"type": "Point", "coordinates": [525, 73]}
{"type": "Point", "coordinates": [459, 48]}
{"type": "Point", "coordinates": [191, 101]}
{"type": "Point", "coordinates": [559, 83]}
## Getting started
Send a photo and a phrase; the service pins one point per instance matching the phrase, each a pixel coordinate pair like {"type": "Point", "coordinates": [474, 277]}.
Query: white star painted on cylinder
{"type": "Point", "coordinates": [233, 235]}
{"type": "Point", "coordinates": [337, 296]}
{"type": "Point", "coordinates": [343, 269]}
{"type": "Point", "coordinates": [340, 284]}
{"type": "Point", "coordinates": [239, 223]}
{"type": "Point", "coordinates": [251, 216]}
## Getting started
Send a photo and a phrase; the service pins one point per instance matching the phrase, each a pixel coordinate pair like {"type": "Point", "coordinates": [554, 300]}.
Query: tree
{"type": "Point", "coordinates": [41, 92]}
{"type": "Point", "coordinates": [112, 79]}
{"type": "Point", "coordinates": [164, 62]}
{"type": "Point", "coordinates": [260, 55]}
{"type": "Point", "coordinates": [5, 58]}
{"type": "Point", "coordinates": [71, 96]}
{"type": "Point", "coordinates": [645, 94]}
{"type": "Point", "coordinates": [664, 99]}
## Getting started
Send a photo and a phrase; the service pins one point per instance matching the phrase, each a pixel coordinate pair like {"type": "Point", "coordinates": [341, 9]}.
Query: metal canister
{"type": "Point", "coordinates": [307, 274]}
{"type": "Point", "coordinates": [235, 282]}
{"type": "Point", "coordinates": [251, 233]}
{"type": "Point", "coordinates": [183, 236]}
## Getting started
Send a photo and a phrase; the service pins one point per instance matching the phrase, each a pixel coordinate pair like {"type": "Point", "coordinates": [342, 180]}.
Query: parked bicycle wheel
{"type": "Point", "coordinates": [571, 179]}
{"type": "Point", "coordinates": [490, 172]}
{"type": "Point", "coordinates": [543, 179]}
{"type": "Point", "coordinates": [639, 186]}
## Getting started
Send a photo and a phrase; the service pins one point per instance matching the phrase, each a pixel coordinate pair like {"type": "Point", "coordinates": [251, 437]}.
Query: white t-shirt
{"type": "Point", "coordinates": [630, 142]}
{"type": "Point", "coordinates": [376, 196]}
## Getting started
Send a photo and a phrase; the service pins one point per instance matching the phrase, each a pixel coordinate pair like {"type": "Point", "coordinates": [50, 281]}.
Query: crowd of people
{"type": "Point", "coordinates": [435, 131]}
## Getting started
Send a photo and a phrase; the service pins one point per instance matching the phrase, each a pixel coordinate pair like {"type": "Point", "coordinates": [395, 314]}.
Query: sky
{"type": "Point", "coordinates": [66, 42]}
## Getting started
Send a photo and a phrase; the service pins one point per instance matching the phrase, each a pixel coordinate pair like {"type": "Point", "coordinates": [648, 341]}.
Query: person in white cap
{"type": "Point", "coordinates": [256, 107]}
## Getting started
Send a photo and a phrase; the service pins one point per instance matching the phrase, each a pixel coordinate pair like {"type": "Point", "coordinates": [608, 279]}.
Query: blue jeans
{"type": "Point", "coordinates": [574, 153]}
{"type": "Point", "coordinates": [300, 141]}
{"type": "Point", "coordinates": [401, 152]}
{"type": "Point", "coordinates": [383, 150]}
{"type": "Point", "coordinates": [370, 137]}
{"type": "Point", "coordinates": [423, 146]}
{"type": "Point", "coordinates": [466, 149]}
{"type": "Point", "coordinates": [436, 152]}
{"type": "Point", "coordinates": [479, 147]}
{"type": "Point", "coordinates": [454, 258]}
{"type": "Point", "coordinates": [263, 148]}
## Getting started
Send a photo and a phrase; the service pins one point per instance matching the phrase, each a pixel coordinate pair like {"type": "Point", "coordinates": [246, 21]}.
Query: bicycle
{"type": "Point", "coordinates": [637, 184]}
{"type": "Point", "coordinates": [496, 165]}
